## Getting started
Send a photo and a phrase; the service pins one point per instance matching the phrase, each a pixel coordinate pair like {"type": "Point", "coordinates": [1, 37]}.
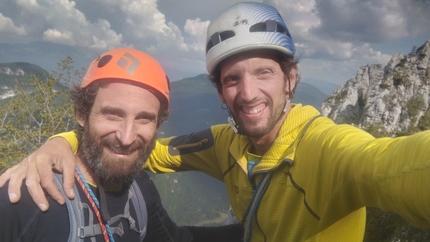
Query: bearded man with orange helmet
{"type": "Point", "coordinates": [291, 174]}
{"type": "Point", "coordinates": [119, 105]}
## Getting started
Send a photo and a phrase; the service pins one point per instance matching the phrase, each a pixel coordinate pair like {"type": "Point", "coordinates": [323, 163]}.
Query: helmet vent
{"type": "Point", "coordinates": [104, 60]}
{"type": "Point", "coordinates": [217, 38]}
{"type": "Point", "coordinates": [269, 26]}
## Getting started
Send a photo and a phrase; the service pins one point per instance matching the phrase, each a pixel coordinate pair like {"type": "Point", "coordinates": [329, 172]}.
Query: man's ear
{"type": "Point", "coordinates": [221, 97]}
{"type": "Point", "coordinates": [292, 78]}
{"type": "Point", "coordinates": [81, 119]}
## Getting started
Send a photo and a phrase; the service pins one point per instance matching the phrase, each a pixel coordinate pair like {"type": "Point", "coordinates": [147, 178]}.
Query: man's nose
{"type": "Point", "coordinates": [248, 89]}
{"type": "Point", "coordinates": [126, 133]}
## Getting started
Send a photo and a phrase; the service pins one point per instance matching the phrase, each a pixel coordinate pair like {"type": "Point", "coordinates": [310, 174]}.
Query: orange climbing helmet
{"type": "Point", "coordinates": [132, 65]}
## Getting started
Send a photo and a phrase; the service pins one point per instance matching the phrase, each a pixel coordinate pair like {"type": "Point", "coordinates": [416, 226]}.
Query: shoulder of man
{"type": "Point", "coordinates": [24, 221]}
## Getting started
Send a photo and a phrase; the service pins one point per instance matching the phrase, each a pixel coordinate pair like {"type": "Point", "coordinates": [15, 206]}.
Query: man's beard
{"type": "Point", "coordinates": [252, 130]}
{"type": "Point", "coordinates": [114, 170]}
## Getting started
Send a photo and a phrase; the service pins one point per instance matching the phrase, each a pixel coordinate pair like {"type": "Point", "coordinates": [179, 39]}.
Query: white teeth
{"type": "Point", "coordinates": [254, 111]}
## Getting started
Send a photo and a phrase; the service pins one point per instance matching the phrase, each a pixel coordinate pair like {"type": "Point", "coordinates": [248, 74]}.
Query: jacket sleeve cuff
{"type": "Point", "coordinates": [71, 137]}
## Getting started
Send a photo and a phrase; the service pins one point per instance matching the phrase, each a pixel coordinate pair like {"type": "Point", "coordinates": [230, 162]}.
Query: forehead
{"type": "Point", "coordinates": [127, 95]}
{"type": "Point", "coordinates": [255, 58]}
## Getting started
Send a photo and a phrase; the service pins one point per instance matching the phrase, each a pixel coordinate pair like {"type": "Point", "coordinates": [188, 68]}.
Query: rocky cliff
{"type": "Point", "coordinates": [395, 97]}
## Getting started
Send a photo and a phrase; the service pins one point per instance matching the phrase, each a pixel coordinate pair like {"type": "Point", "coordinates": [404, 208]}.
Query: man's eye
{"type": "Point", "coordinates": [264, 74]}
{"type": "Point", "coordinates": [231, 79]}
{"type": "Point", "coordinates": [112, 116]}
{"type": "Point", "coordinates": [144, 120]}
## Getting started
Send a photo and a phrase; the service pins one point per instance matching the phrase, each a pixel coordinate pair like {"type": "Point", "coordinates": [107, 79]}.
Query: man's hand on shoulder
{"type": "Point", "coordinates": [37, 170]}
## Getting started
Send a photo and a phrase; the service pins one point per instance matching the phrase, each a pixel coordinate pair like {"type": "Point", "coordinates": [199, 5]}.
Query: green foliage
{"type": "Point", "coordinates": [386, 227]}
{"type": "Point", "coordinates": [421, 56]}
{"type": "Point", "coordinates": [193, 198]}
{"type": "Point", "coordinates": [414, 49]}
{"type": "Point", "coordinates": [424, 123]}
{"type": "Point", "coordinates": [426, 80]}
{"type": "Point", "coordinates": [340, 96]}
{"type": "Point", "coordinates": [377, 129]}
{"type": "Point", "coordinates": [40, 108]}
{"type": "Point", "coordinates": [384, 86]}
{"type": "Point", "coordinates": [415, 105]}
{"type": "Point", "coordinates": [402, 63]}
{"type": "Point", "coordinates": [399, 79]}
{"type": "Point", "coordinates": [362, 100]}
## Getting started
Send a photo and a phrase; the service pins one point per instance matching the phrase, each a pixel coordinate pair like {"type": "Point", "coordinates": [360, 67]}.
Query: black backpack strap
{"type": "Point", "coordinates": [138, 202]}
{"type": "Point", "coordinates": [74, 209]}
{"type": "Point", "coordinates": [78, 230]}
{"type": "Point", "coordinates": [140, 206]}
{"type": "Point", "coordinates": [262, 187]}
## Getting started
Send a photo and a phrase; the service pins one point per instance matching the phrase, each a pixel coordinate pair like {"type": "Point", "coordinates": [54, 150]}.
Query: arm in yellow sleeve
{"type": "Point", "coordinates": [71, 137]}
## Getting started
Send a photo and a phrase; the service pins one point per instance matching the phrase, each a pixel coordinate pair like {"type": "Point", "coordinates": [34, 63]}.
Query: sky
{"type": "Point", "coordinates": [333, 38]}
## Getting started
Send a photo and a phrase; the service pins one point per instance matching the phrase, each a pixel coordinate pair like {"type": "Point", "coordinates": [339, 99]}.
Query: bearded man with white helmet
{"type": "Point", "coordinates": [291, 174]}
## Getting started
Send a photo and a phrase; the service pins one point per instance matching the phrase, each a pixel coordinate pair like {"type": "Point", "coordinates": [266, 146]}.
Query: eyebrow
{"type": "Point", "coordinates": [121, 112]}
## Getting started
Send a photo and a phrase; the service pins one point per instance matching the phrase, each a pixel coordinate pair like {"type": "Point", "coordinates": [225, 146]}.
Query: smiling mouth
{"type": "Point", "coordinates": [253, 110]}
{"type": "Point", "coordinates": [120, 152]}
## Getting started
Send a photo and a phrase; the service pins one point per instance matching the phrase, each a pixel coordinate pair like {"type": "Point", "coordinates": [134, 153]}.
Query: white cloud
{"type": "Point", "coordinates": [299, 16]}
{"type": "Point", "coordinates": [104, 37]}
{"type": "Point", "coordinates": [372, 21]}
{"type": "Point", "coordinates": [8, 27]}
{"type": "Point", "coordinates": [197, 29]}
{"type": "Point", "coordinates": [342, 30]}
{"type": "Point", "coordinates": [334, 36]}
{"type": "Point", "coordinates": [61, 22]}
{"type": "Point", "coordinates": [58, 37]}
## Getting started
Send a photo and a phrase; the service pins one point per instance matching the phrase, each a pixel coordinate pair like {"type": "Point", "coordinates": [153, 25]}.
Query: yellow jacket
{"type": "Point", "coordinates": [320, 183]}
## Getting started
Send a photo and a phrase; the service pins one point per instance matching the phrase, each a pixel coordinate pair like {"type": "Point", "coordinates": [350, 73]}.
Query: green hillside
{"type": "Point", "coordinates": [29, 69]}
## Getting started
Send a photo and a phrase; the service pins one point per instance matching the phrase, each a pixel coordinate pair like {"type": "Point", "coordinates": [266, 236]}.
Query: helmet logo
{"type": "Point", "coordinates": [238, 22]}
{"type": "Point", "coordinates": [123, 62]}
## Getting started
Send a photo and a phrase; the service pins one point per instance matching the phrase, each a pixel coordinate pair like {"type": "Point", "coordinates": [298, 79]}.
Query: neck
{"type": "Point", "coordinates": [92, 178]}
{"type": "Point", "coordinates": [260, 145]}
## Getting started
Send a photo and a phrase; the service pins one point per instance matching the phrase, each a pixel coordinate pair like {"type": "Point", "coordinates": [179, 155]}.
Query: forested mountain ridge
{"type": "Point", "coordinates": [16, 70]}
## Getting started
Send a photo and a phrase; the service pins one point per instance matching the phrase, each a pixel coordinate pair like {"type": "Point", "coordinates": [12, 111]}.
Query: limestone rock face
{"type": "Point", "coordinates": [395, 96]}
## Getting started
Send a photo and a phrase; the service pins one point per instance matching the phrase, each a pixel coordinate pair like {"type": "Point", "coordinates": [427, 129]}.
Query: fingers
{"type": "Point", "coordinates": [17, 175]}
{"type": "Point", "coordinates": [37, 168]}
{"type": "Point", "coordinates": [36, 192]}
{"type": "Point", "coordinates": [69, 178]}
{"type": "Point", "coordinates": [46, 181]}
{"type": "Point", "coordinates": [6, 176]}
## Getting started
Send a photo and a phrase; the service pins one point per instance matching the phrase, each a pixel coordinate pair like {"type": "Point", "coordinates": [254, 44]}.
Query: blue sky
{"type": "Point", "coordinates": [333, 37]}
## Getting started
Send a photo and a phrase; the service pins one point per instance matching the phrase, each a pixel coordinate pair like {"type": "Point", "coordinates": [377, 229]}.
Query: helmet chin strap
{"type": "Point", "coordinates": [232, 123]}
{"type": "Point", "coordinates": [235, 127]}
{"type": "Point", "coordinates": [287, 103]}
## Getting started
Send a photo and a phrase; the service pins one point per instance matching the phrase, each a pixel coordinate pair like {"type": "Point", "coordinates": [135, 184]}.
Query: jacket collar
{"type": "Point", "coordinates": [282, 147]}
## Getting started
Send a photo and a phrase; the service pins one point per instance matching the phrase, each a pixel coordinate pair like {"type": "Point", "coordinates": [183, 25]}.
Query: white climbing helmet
{"type": "Point", "coordinates": [246, 26]}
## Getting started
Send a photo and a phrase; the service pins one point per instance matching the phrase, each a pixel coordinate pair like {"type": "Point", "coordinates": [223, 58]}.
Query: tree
{"type": "Point", "coordinates": [414, 49]}
{"type": "Point", "coordinates": [40, 108]}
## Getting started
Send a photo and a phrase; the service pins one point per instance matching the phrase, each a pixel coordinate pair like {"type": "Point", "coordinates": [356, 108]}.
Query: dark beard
{"type": "Point", "coordinates": [256, 132]}
{"type": "Point", "coordinates": [113, 170]}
